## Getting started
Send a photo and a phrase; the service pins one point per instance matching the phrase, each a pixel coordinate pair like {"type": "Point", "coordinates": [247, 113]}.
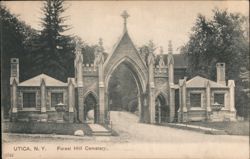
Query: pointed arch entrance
{"type": "Point", "coordinates": [90, 107]}
{"type": "Point", "coordinates": [134, 103]}
{"type": "Point", "coordinates": [162, 110]}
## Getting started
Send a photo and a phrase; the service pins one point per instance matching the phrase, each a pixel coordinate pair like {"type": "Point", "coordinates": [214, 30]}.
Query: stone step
{"type": "Point", "coordinates": [101, 133]}
{"type": "Point", "coordinates": [99, 130]}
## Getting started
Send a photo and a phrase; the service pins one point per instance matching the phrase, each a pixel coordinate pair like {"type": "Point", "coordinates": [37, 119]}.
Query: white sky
{"type": "Point", "coordinates": [159, 21]}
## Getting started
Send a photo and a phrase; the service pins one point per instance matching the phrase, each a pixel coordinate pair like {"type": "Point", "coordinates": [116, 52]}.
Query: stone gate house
{"type": "Point", "coordinates": [160, 97]}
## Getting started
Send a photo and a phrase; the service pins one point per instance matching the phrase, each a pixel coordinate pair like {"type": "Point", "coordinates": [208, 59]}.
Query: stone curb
{"type": "Point", "coordinates": [48, 136]}
{"type": "Point", "coordinates": [191, 128]}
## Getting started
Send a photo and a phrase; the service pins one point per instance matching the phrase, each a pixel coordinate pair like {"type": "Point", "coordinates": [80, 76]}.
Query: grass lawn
{"type": "Point", "coordinates": [45, 128]}
{"type": "Point", "coordinates": [232, 128]}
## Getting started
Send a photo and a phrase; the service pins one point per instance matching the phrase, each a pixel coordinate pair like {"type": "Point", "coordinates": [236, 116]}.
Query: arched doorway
{"type": "Point", "coordinates": [90, 108]}
{"type": "Point", "coordinates": [124, 89]}
{"type": "Point", "coordinates": [161, 109]}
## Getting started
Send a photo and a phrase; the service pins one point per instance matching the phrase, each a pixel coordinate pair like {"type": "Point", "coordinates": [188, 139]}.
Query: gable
{"type": "Point", "coordinates": [125, 49]}
{"type": "Point", "coordinates": [199, 82]}
{"type": "Point", "coordinates": [36, 81]}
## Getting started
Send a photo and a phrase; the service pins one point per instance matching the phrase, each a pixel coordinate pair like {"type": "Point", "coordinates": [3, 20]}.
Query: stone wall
{"type": "Point", "coordinates": [161, 85]}
{"type": "Point", "coordinates": [36, 116]}
{"type": "Point", "coordinates": [37, 91]}
{"type": "Point", "coordinates": [201, 114]}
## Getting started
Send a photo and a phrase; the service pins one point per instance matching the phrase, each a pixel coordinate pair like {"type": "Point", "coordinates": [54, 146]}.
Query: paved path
{"type": "Point", "coordinates": [126, 124]}
{"type": "Point", "coordinates": [134, 140]}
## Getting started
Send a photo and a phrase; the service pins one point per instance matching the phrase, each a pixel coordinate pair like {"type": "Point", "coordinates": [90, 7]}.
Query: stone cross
{"type": "Point", "coordinates": [125, 15]}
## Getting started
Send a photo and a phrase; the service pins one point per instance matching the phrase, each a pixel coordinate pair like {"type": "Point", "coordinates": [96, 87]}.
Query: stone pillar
{"type": "Point", "coordinates": [14, 100]}
{"type": "Point", "coordinates": [180, 102]}
{"type": "Point", "coordinates": [14, 70]}
{"type": "Point", "coordinates": [14, 80]}
{"type": "Point", "coordinates": [171, 73]}
{"type": "Point", "coordinates": [159, 110]}
{"type": "Point", "coordinates": [170, 63]}
{"type": "Point", "coordinates": [43, 96]}
{"type": "Point", "coordinates": [208, 96]}
{"type": "Point", "coordinates": [139, 107]}
{"type": "Point", "coordinates": [80, 104]}
{"type": "Point", "coordinates": [78, 63]}
{"type": "Point", "coordinates": [171, 82]}
{"type": "Point", "coordinates": [151, 97]}
{"type": "Point", "coordinates": [152, 105]}
{"type": "Point", "coordinates": [171, 103]}
{"type": "Point", "coordinates": [101, 104]}
{"type": "Point", "coordinates": [79, 75]}
{"type": "Point", "coordinates": [231, 86]}
{"type": "Point", "coordinates": [71, 99]}
{"type": "Point", "coordinates": [184, 110]}
{"type": "Point", "coordinates": [101, 89]}
{"type": "Point", "coordinates": [106, 108]}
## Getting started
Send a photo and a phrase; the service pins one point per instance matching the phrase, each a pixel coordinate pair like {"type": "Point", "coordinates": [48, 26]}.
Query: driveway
{"type": "Point", "coordinates": [127, 125]}
{"type": "Point", "coordinates": [179, 143]}
{"type": "Point", "coordinates": [135, 140]}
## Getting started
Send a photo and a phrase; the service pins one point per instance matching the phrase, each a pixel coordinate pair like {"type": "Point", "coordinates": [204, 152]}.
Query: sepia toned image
{"type": "Point", "coordinates": [125, 79]}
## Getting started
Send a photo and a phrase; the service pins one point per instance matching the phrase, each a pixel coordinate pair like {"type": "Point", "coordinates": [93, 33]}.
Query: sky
{"type": "Point", "coordinates": [159, 21]}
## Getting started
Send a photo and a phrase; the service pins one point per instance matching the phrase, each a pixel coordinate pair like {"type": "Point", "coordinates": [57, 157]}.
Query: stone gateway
{"type": "Point", "coordinates": [163, 92]}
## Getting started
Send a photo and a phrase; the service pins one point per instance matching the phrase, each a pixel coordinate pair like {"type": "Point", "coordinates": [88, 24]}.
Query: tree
{"type": "Point", "coordinates": [144, 50]}
{"type": "Point", "coordinates": [16, 36]}
{"type": "Point", "coordinates": [221, 39]}
{"type": "Point", "coordinates": [56, 49]}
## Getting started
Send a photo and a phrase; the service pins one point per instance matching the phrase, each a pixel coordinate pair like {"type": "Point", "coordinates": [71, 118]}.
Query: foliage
{"type": "Point", "coordinates": [56, 50]}
{"type": "Point", "coordinates": [221, 39]}
{"type": "Point", "coordinates": [122, 89]}
{"type": "Point", "coordinates": [144, 50]}
{"type": "Point", "coordinates": [33, 127]}
{"type": "Point", "coordinates": [16, 37]}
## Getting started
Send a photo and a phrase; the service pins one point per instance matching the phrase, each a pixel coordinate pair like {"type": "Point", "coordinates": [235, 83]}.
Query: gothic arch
{"type": "Point", "coordinates": [90, 100]}
{"type": "Point", "coordinates": [91, 92]}
{"type": "Point", "coordinates": [162, 109]}
{"type": "Point", "coordinates": [163, 94]}
{"type": "Point", "coordinates": [141, 78]}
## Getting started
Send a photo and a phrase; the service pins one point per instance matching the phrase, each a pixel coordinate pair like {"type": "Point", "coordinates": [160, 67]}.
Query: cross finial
{"type": "Point", "coordinates": [125, 16]}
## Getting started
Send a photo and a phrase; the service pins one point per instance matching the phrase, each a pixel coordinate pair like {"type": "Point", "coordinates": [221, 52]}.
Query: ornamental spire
{"type": "Point", "coordinates": [161, 61]}
{"type": "Point", "coordinates": [125, 16]}
{"type": "Point", "coordinates": [101, 49]}
{"type": "Point", "coordinates": [161, 50]}
{"type": "Point", "coordinates": [170, 49]}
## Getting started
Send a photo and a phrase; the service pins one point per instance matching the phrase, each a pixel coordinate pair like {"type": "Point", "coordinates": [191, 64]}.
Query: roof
{"type": "Point", "coordinates": [124, 38]}
{"type": "Point", "coordinates": [200, 82]}
{"type": "Point", "coordinates": [36, 81]}
{"type": "Point", "coordinates": [180, 60]}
